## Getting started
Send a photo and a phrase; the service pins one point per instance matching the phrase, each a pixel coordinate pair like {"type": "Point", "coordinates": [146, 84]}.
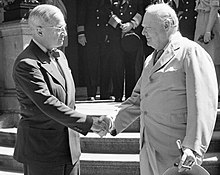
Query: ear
{"type": "Point", "coordinates": [166, 25]}
{"type": "Point", "coordinates": [39, 31]}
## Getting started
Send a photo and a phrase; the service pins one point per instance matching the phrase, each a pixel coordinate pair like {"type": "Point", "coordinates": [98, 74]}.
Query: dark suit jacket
{"type": "Point", "coordinates": [47, 101]}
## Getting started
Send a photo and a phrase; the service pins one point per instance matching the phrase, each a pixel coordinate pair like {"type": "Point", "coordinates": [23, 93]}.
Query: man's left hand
{"type": "Point", "coordinates": [187, 160]}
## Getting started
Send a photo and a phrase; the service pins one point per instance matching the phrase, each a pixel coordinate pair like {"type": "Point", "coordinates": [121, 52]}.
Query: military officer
{"type": "Point", "coordinates": [92, 35]}
{"type": "Point", "coordinates": [187, 17]}
{"type": "Point", "coordinates": [125, 18]}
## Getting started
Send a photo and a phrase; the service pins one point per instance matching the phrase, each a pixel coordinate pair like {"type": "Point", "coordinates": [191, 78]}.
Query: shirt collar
{"type": "Point", "coordinates": [172, 36]}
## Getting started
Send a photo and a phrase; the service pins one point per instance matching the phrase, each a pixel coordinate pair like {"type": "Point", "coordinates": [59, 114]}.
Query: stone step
{"type": "Point", "coordinates": [92, 143]}
{"type": "Point", "coordinates": [95, 108]}
{"type": "Point", "coordinates": [10, 173]}
{"type": "Point", "coordinates": [108, 164]}
{"type": "Point", "coordinates": [127, 142]}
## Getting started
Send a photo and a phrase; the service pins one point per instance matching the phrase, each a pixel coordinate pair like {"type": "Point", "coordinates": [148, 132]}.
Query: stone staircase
{"type": "Point", "coordinates": [105, 156]}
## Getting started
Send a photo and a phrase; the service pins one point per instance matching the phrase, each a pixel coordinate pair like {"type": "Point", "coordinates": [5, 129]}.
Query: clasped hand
{"type": "Point", "coordinates": [126, 27]}
{"type": "Point", "coordinates": [102, 125]}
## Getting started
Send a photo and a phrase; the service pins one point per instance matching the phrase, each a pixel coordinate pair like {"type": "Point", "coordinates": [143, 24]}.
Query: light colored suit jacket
{"type": "Point", "coordinates": [176, 99]}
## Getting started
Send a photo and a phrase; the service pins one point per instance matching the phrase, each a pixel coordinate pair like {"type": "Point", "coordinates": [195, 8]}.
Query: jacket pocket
{"type": "Point", "coordinates": [45, 145]}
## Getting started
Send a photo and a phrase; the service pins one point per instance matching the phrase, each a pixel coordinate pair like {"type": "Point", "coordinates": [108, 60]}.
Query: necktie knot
{"type": "Point", "coordinates": [157, 55]}
{"type": "Point", "coordinates": [53, 53]}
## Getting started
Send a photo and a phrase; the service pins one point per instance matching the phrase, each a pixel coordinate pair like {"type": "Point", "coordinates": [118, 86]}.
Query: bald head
{"type": "Point", "coordinates": [44, 15]}
{"type": "Point", "coordinates": [162, 13]}
{"type": "Point", "coordinates": [47, 25]}
{"type": "Point", "coordinates": [159, 23]}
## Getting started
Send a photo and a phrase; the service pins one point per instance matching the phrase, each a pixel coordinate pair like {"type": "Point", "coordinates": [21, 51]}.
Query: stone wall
{"type": "Point", "coordinates": [14, 37]}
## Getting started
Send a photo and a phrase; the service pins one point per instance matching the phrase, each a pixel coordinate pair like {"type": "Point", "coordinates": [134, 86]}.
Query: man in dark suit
{"type": "Point", "coordinates": [48, 132]}
{"type": "Point", "coordinates": [93, 37]}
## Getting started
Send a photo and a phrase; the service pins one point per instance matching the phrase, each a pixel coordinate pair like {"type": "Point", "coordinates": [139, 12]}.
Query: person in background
{"type": "Point", "coordinates": [48, 139]}
{"type": "Point", "coordinates": [207, 30]}
{"type": "Point", "coordinates": [93, 36]}
{"type": "Point", "coordinates": [176, 97]}
{"type": "Point", "coordinates": [187, 14]}
{"type": "Point", "coordinates": [125, 19]}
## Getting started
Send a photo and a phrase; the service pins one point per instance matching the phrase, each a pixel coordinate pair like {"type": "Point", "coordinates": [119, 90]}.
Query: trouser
{"type": "Point", "coordinates": [130, 79]}
{"type": "Point", "coordinates": [98, 69]}
{"type": "Point", "coordinates": [126, 66]}
{"type": "Point", "coordinates": [66, 169]}
{"type": "Point", "coordinates": [117, 58]}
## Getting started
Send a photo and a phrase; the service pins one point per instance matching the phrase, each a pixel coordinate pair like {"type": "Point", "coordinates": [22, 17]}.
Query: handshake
{"type": "Point", "coordinates": [102, 125]}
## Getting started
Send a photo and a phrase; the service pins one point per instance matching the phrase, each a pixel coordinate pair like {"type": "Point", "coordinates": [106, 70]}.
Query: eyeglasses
{"type": "Point", "coordinates": [60, 29]}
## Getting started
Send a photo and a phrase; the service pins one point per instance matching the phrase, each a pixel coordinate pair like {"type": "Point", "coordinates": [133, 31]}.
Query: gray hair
{"type": "Point", "coordinates": [43, 15]}
{"type": "Point", "coordinates": [163, 12]}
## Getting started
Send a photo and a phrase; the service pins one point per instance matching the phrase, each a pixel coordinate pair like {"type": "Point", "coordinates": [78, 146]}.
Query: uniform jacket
{"type": "Point", "coordinates": [187, 16]}
{"type": "Point", "coordinates": [47, 101]}
{"type": "Point", "coordinates": [125, 11]}
{"type": "Point", "coordinates": [175, 99]}
{"type": "Point", "coordinates": [92, 19]}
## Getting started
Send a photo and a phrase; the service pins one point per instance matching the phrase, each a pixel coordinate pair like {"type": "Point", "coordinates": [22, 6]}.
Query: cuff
{"type": "Point", "coordinates": [113, 132]}
{"type": "Point", "coordinates": [87, 125]}
{"type": "Point", "coordinates": [80, 30]}
{"type": "Point", "coordinates": [114, 21]}
{"type": "Point", "coordinates": [136, 20]}
{"type": "Point", "coordinates": [81, 33]}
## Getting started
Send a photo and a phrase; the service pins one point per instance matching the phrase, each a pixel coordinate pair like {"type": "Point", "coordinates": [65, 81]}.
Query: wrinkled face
{"type": "Point", "coordinates": [154, 31]}
{"type": "Point", "coordinates": [53, 34]}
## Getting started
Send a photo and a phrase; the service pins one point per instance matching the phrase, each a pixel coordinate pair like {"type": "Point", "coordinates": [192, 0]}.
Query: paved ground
{"type": "Point", "coordinates": [97, 107]}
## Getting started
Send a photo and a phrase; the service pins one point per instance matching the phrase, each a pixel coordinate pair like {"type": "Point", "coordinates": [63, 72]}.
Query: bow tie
{"type": "Point", "coordinates": [53, 53]}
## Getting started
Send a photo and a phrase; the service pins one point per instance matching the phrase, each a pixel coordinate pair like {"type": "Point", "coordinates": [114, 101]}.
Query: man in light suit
{"type": "Point", "coordinates": [48, 132]}
{"type": "Point", "coordinates": [175, 97]}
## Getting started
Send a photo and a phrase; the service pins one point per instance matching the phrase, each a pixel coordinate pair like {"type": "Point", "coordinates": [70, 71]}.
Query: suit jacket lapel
{"type": "Point", "coordinates": [69, 81]}
{"type": "Point", "coordinates": [168, 54]}
{"type": "Point", "coordinates": [52, 69]}
{"type": "Point", "coordinates": [47, 64]}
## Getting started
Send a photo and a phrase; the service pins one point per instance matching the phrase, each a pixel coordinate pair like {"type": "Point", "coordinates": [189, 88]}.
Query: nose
{"type": "Point", "coordinates": [64, 31]}
{"type": "Point", "coordinates": [143, 32]}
